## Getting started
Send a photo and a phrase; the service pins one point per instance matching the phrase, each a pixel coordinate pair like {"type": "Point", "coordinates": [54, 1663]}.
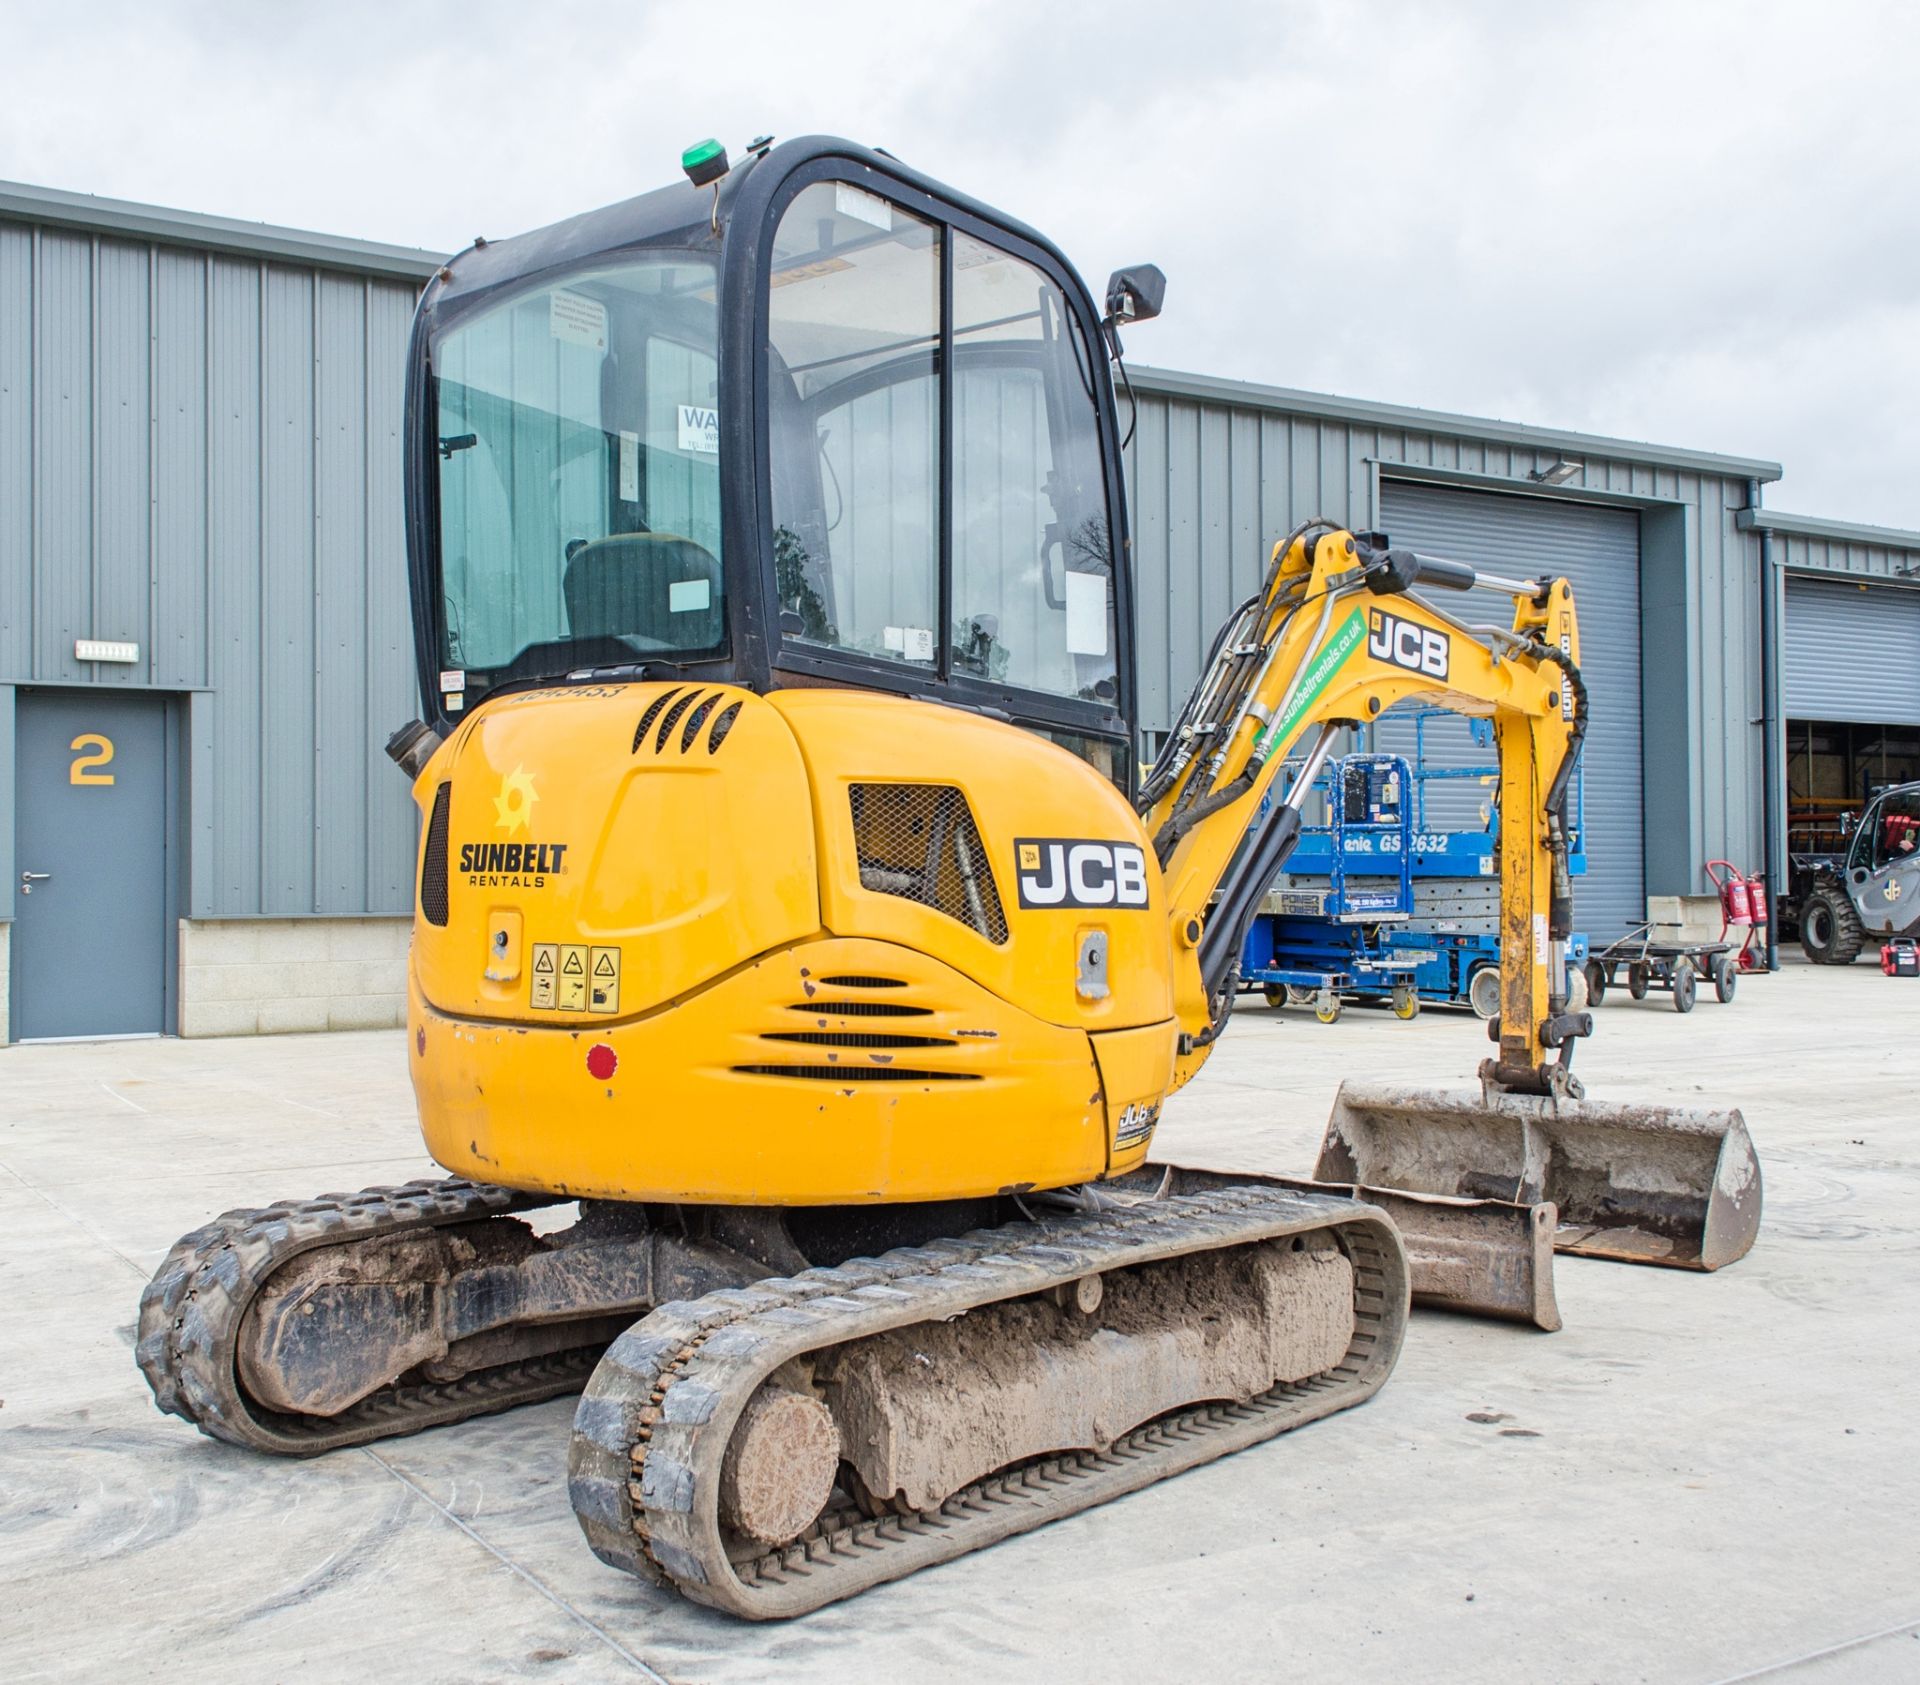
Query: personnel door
{"type": "Point", "coordinates": [91, 856]}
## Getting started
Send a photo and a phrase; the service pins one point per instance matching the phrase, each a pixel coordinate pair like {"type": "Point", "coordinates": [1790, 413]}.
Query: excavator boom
{"type": "Point", "coordinates": [1335, 637]}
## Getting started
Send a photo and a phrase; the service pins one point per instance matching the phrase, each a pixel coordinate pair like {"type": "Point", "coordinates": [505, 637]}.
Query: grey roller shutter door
{"type": "Point", "coordinates": [1852, 652]}
{"type": "Point", "coordinates": [1598, 551]}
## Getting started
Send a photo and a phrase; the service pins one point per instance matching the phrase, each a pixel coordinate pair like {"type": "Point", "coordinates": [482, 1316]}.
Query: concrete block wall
{"type": "Point", "coordinates": [244, 977]}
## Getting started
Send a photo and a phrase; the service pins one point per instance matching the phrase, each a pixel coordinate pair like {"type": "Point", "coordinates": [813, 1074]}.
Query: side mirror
{"type": "Point", "coordinates": [1135, 294]}
{"type": "Point", "coordinates": [1847, 823]}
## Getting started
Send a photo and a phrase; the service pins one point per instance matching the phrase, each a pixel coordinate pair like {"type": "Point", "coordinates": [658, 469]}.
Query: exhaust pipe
{"type": "Point", "coordinates": [1643, 1184]}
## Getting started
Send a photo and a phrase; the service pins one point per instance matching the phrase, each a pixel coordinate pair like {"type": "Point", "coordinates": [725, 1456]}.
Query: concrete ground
{"type": "Point", "coordinates": [1701, 1478]}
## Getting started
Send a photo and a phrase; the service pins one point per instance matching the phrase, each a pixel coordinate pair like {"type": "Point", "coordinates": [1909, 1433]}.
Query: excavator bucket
{"type": "Point", "coordinates": [1644, 1184]}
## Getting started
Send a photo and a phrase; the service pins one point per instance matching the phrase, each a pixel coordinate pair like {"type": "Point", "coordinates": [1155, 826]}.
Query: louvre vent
{"type": "Point", "coordinates": [854, 1073]}
{"type": "Point", "coordinates": [673, 716]}
{"type": "Point", "coordinates": [856, 1038]}
{"type": "Point", "coordinates": [695, 721]}
{"type": "Point", "coordinates": [865, 982]}
{"type": "Point", "coordinates": [433, 862]}
{"type": "Point", "coordinates": [919, 841]}
{"type": "Point", "coordinates": [860, 1009]}
{"type": "Point", "coordinates": [670, 705]}
{"type": "Point", "coordinates": [652, 714]}
{"type": "Point", "coordinates": [721, 727]}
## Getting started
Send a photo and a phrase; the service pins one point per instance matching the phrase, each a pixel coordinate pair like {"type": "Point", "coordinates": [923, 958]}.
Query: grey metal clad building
{"type": "Point", "coordinates": [1848, 601]}
{"type": "Point", "coordinates": [200, 464]}
{"type": "Point", "coordinates": [204, 642]}
{"type": "Point", "coordinates": [1667, 580]}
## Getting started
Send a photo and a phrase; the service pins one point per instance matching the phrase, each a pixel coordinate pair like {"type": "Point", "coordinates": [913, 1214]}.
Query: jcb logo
{"type": "Point", "coordinates": [1419, 649]}
{"type": "Point", "coordinates": [1136, 1124]}
{"type": "Point", "coordinates": [1080, 872]}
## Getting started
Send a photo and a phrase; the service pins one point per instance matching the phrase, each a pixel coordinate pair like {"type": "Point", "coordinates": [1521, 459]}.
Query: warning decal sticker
{"type": "Point", "coordinates": [572, 977]}
{"type": "Point", "coordinates": [546, 965]}
{"type": "Point", "coordinates": [603, 980]}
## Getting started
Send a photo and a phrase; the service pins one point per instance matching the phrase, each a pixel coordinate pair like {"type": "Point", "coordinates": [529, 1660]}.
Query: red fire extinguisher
{"type": "Point", "coordinates": [1736, 902]}
{"type": "Point", "coordinates": [1743, 906]}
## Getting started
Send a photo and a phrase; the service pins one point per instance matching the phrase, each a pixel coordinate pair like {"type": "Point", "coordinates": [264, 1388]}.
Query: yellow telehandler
{"type": "Point", "coordinates": [790, 901]}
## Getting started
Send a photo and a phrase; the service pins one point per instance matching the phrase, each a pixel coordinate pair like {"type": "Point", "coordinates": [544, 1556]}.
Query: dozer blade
{"type": "Point", "coordinates": [1483, 1257]}
{"type": "Point", "coordinates": [1672, 1185]}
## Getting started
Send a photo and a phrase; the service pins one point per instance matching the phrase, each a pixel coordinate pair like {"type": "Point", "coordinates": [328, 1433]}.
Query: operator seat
{"type": "Point", "coordinates": [656, 587]}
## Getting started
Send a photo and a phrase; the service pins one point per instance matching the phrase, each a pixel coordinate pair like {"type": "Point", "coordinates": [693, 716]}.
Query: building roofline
{"type": "Point", "coordinates": [1815, 526]}
{"type": "Point", "coordinates": [1402, 417]}
{"type": "Point", "coordinates": [52, 207]}
{"type": "Point", "coordinates": [57, 208]}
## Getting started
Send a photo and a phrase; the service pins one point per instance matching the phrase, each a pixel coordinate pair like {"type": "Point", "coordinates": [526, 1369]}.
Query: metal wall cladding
{"type": "Point", "coordinates": [1851, 652]}
{"type": "Point", "coordinates": [1218, 472]}
{"type": "Point", "coordinates": [200, 452]}
{"type": "Point", "coordinates": [1872, 553]}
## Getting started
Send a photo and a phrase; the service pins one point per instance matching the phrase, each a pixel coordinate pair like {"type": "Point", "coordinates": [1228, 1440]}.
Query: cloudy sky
{"type": "Point", "coordinates": [1687, 221]}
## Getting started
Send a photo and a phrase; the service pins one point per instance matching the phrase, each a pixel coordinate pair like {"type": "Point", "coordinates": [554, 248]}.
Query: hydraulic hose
{"type": "Point", "coordinates": [1245, 885]}
{"type": "Point", "coordinates": [1560, 904]}
{"type": "Point", "coordinates": [1225, 686]}
{"type": "Point", "coordinates": [1193, 808]}
{"type": "Point", "coordinates": [1576, 735]}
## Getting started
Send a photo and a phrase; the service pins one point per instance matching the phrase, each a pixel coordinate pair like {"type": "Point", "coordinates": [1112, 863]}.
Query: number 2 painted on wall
{"type": "Point", "coordinates": [86, 767]}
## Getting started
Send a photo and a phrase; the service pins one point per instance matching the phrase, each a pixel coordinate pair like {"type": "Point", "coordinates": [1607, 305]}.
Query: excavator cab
{"type": "Point", "coordinates": [818, 422]}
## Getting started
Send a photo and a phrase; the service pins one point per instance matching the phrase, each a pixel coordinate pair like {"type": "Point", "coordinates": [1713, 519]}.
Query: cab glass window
{"type": "Point", "coordinates": [854, 417]}
{"type": "Point", "coordinates": [1033, 596]}
{"type": "Point", "coordinates": [1892, 832]}
{"type": "Point", "coordinates": [859, 291]}
{"type": "Point", "coordinates": [579, 481]}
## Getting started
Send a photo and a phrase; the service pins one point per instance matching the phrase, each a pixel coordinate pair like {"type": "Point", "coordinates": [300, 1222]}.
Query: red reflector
{"type": "Point", "coordinates": [602, 1061]}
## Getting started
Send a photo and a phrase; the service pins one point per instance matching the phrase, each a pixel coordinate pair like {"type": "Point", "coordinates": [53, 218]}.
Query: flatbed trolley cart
{"type": "Point", "coordinates": [1684, 941]}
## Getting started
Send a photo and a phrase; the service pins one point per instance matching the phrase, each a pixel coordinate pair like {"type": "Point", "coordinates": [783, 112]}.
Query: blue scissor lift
{"type": "Point", "coordinates": [1323, 934]}
{"type": "Point", "coordinates": [1391, 899]}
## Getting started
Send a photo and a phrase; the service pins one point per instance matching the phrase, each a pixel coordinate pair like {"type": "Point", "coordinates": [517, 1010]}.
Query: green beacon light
{"type": "Point", "coordinates": [704, 162]}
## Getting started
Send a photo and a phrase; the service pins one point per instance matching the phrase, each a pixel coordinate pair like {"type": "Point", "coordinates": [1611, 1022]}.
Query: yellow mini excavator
{"type": "Point", "coordinates": [790, 901]}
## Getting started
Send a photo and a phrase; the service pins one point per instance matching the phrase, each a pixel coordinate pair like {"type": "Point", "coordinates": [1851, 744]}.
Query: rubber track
{"type": "Point", "coordinates": [191, 1311]}
{"type": "Point", "coordinates": [653, 1424]}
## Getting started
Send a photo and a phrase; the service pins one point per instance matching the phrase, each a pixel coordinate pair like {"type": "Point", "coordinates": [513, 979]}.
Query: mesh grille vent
{"type": "Point", "coordinates": [860, 1009]}
{"type": "Point", "coordinates": [673, 716]}
{"type": "Point", "coordinates": [433, 863]}
{"type": "Point", "coordinates": [721, 727]}
{"type": "Point", "coordinates": [919, 841]}
{"type": "Point", "coordinates": [695, 721]}
{"type": "Point", "coordinates": [866, 982]}
{"type": "Point", "coordinates": [652, 714]}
